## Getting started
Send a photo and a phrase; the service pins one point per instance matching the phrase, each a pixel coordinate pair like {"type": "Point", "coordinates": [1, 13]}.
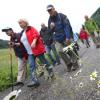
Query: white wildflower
{"type": "Point", "coordinates": [80, 84]}
{"type": "Point", "coordinates": [80, 62]}
{"type": "Point", "coordinates": [70, 77]}
{"type": "Point", "coordinates": [78, 72]}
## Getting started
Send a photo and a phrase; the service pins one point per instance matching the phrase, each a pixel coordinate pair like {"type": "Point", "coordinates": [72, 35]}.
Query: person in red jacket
{"type": "Point", "coordinates": [83, 35]}
{"type": "Point", "coordinates": [35, 48]}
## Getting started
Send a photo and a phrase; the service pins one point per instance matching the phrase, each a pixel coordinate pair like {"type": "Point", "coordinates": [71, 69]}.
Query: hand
{"type": "Point", "coordinates": [52, 25]}
{"type": "Point", "coordinates": [11, 44]}
{"type": "Point", "coordinates": [33, 45]}
{"type": "Point", "coordinates": [24, 59]}
{"type": "Point", "coordinates": [68, 41]}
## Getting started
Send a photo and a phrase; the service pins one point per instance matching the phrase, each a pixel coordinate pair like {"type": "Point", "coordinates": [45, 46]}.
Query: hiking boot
{"type": "Point", "coordinates": [18, 83]}
{"type": "Point", "coordinates": [54, 63]}
{"type": "Point", "coordinates": [69, 66]}
{"type": "Point", "coordinates": [74, 69]}
{"type": "Point", "coordinates": [58, 63]}
{"type": "Point", "coordinates": [97, 46]}
{"type": "Point", "coordinates": [51, 74]}
{"type": "Point", "coordinates": [75, 66]}
{"type": "Point", "coordinates": [33, 83]}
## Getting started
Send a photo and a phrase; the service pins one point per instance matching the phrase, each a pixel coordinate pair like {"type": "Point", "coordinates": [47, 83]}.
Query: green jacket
{"type": "Point", "coordinates": [90, 26]}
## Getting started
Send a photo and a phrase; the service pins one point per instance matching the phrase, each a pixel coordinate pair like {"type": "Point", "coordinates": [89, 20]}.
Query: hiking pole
{"type": "Point", "coordinates": [11, 74]}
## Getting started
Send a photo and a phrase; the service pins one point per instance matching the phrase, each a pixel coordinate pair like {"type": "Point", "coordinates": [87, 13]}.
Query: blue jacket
{"type": "Point", "coordinates": [62, 27]}
{"type": "Point", "coordinates": [75, 37]}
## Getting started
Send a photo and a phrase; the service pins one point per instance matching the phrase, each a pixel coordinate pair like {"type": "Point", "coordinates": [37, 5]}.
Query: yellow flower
{"type": "Point", "coordinates": [98, 83]}
{"type": "Point", "coordinates": [93, 75]}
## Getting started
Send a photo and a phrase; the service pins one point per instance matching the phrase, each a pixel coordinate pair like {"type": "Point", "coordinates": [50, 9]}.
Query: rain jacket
{"type": "Point", "coordinates": [83, 34]}
{"type": "Point", "coordinates": [90, 26]}
{"type": "Point", "coordinates": [31, 34]}
{"type": "Point", "coordinates": [62, 28]}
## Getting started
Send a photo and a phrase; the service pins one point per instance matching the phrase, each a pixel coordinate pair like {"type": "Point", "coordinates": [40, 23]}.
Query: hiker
{"type": "Point", "coordinates": [83, 35]}
{"type": "Point", "coordinates": [20, 53]}
{"type": "Point", "coordinates": [91, 27]}
{"type": "Point", "coordinates": [49, 44]}
{"type": "Point", "coordinates": [75, 38]}
{"type": "Point", "coordinates": [62, 31]}
{"type": "Point", "coordinates": [35, 48]}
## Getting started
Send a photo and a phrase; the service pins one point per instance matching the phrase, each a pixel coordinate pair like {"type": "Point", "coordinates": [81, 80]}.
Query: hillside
{"type": "Point", "coordinates": [96, 16]}
{"type": "Point", "coordinates": [3, 44]}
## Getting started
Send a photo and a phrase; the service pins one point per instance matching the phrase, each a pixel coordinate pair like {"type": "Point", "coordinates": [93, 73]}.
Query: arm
{"type": "Point", "coordinates": [86, 27]}
{"type": "Point", "coordinates": [33, 44]}
{"type": "Point", "coordinates": [94, 23]}
{"type": "Point", "coordinates": [67, 27]}
{"type": "Point", "coordinates": [17, 44]}
{"type": "Point", "coordinates": [41, 34]}
{"type": "Point", "coordinates": [35, 36]}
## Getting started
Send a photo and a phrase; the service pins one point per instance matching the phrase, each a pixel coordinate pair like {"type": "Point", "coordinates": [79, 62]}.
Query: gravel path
{"type": "Point", "coordinates": [75, 85]}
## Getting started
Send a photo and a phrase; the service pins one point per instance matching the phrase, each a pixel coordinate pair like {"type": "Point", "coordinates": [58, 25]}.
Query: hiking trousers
{"type": "Point", "coordinates": [22, 64]}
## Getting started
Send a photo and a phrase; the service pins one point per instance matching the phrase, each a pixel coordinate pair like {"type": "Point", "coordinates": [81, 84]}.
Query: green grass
{"type": "Point", "coordinates": [5, 68]}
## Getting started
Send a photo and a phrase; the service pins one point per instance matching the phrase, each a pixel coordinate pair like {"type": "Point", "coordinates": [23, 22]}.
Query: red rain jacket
{"type": "Point", "coordinates": [83, 34]}
{"type": "Point", "coordinates": [32, 34]}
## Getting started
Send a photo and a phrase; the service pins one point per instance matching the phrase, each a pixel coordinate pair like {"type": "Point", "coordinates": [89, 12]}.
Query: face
{"type": "Point", "coordinates": [86, 18]}
{"type": "Point", "coordinates": [42, 26]}
{"type": "Point", "coordinates": [9, 32]}
{"type": "Point", "coordinates": [51, 12]}
{"type": "Point", "coordinates": [22, 24]}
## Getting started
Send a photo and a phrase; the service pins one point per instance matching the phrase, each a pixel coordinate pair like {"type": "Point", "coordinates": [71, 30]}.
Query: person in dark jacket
{"type": "Point", "coordinates": [63, 34]}
{"type": "Point", "coordinates": [47, 37]}
{"type": "Point", "coordinates": [20, 53]}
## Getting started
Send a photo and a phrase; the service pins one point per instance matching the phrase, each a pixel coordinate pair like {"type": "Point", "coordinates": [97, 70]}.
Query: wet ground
{"type": "Point", "coordinates": [74, 85]}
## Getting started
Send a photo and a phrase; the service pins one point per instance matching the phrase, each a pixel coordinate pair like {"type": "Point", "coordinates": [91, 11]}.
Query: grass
{"type": "Point", "coordinates": [5, 68]}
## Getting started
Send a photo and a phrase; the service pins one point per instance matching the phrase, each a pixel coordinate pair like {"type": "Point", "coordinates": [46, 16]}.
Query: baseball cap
{"type": "Point", "coordinates": [50, 7]}
{"type": "Point", "coordinates": [6, 29]}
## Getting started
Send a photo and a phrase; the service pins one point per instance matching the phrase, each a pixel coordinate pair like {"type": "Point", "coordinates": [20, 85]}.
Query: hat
{"type": "Point", "coordinates": [50, 7]}
{"type": "Point", "coordinates": [6, 29]}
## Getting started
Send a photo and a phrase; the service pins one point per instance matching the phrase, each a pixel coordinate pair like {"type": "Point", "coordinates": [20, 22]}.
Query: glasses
{"type": "Point", "coordinates": [49, 10]}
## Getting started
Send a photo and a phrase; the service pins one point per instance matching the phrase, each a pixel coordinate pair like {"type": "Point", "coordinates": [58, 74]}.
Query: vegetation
{"type": "Point", "coordinates": [96, 17]}
{"type": "Point", "coordinates": [5, 68]}
{"type": "Point", "coordinates": [3, 44]}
